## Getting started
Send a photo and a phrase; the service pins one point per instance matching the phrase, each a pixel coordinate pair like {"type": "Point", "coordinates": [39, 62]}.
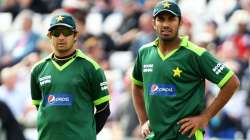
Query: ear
{"type": "Point", "coordinates": [49, 35]}
{"type": "Point", "coordinates": [76, 35]}
{"type": "Point", "coordinates": [153, 23]}
{"type": "Point", "coordinates": [181, 21]}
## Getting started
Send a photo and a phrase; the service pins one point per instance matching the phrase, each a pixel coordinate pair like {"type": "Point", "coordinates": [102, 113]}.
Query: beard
{"type": "Point", "coordinates": [169, 39]}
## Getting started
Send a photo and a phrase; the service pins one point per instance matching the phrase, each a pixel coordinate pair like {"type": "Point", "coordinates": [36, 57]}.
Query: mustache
{"type": "Point", "coordinates": [166, 29]}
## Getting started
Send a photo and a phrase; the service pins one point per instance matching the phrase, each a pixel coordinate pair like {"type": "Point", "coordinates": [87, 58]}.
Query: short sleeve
{"type": "Point", "coordinates": [214, 70]}
{"type": "Point", "coordinates": [99, 86]}
{"type": "Point", "coordinates": [137, 72]}
{"type": "Point", "coordinates": [35, 88]}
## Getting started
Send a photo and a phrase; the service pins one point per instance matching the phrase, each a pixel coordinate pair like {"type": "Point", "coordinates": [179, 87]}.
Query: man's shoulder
{"type": "Point", "coordinates": [40, 63]}
{"type": "Point", "coordinates": [87, 59]}
{"type": "Point", "coordinates": [147, 47]}
{"type": "Point", "coordinates": [194, 48]}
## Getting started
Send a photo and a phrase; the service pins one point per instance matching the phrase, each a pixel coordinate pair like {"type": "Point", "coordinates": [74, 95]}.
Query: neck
{"type": "Point", "coordinates": [166, 46]}
{"type": "Point", "coordinates": [64, 56]}
{"type": "Point", "coordinates": [63, 53]}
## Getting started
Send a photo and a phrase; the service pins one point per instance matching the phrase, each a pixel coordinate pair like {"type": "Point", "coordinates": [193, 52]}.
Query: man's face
{"type": "Point", "coordinates": [62, 39]}
{"type": "Point", "coordinates": [166, 26]}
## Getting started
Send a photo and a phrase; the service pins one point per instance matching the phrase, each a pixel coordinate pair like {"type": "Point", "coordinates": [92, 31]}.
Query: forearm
{"type": "Point", "coordinates": [138, 101]}
{"type": "Point", "coordinates": [224, 95]}
{"type": "Point", "coordinates": [101, 115]}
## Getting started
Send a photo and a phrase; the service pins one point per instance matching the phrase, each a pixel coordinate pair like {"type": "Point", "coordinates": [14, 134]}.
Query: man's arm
{"type": "Point", "coordinates": [191, 124]}
{"type": "Point", "coordinates": [101, 115]}
{"type": "Point", "coordinates": [138, 101]}
{"type": "Point", "coordinates": [35, 89]}
{"type": "Point", "coordinates": [224, 95]}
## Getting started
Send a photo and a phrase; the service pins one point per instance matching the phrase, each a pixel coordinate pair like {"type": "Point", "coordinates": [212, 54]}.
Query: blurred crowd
{"type": "Point", "coordinates": [111, 32]}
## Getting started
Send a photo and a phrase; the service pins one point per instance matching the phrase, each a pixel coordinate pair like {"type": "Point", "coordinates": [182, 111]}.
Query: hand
{"type": "Point", "coordinates": [191, 124]}
{"type": "Point", "coordinates": [145, 129]}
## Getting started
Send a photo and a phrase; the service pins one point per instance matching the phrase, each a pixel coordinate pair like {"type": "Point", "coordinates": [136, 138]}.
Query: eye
{"type": "Point", "coordinates": [173, 18]}
{"type": "Point", "coordinates": [160, 18]}
{"type": "Point", "coordinates": [55, 33]}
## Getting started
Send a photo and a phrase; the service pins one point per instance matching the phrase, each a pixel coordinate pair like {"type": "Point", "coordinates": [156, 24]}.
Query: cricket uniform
{"type": "Point", "coordinates": [66, 96]}
{"type": "Point", "coordinates": [174, 85]}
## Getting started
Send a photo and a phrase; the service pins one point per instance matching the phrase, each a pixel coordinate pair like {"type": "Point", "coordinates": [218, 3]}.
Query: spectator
{"type": "Point", "coordinates": [25, 44]}
{"type": "Point", "coordinates": [11, 93]}
{"type": "Point", "coordinates": [9, 126]}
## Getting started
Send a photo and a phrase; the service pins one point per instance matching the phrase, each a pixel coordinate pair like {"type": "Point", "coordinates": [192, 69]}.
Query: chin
{"type": "Point", "coordinates": [168, 38]}
{"type": "Point", "coordinates": [62, 49]}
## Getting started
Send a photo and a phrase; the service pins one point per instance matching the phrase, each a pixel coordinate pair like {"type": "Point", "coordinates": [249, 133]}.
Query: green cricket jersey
{"type": "Point", "coordinates": [174, 85]}
{"type": "Point", "coordinates": [66, 96]}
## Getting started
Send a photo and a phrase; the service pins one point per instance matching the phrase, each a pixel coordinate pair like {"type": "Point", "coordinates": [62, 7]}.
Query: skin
{"type": "Point", "coordinates": [138, 101]}
{"type": "Point", "coordinates": [166, 27]}
{"type": "Point", "coordinates": [62, 45]}
{"type": "Point", "coordinates": [192, 123]}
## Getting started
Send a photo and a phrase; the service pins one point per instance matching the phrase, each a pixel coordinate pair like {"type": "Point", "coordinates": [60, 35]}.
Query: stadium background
{"type": "Point", "coordinates": [111, 32]}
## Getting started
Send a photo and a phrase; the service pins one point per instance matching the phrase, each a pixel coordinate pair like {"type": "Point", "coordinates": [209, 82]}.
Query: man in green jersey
{"type": "Point", "coordinates": [67, 86]}
{"type": "Point", "coordinates": [169, 81]}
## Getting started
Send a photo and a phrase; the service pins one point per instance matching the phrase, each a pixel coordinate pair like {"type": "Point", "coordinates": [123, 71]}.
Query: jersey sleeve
{"type": "Point", "coordinates": [137, 72]}
{"type": "Point", "coordinates": [213, 70]}
{"type": "Point", "coordinates": [35, 88]}
{"type": "Point", "coordinates": [99, 86]}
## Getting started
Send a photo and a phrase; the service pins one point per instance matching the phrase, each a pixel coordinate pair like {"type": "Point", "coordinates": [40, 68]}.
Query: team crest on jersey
{"type": "Point", "coordinates": [148, 67]}
{"type": "Point", "coordinates": [162, 89]}
{"type": "Point", "coordinates": [177, 72]}
{"type": "Point", "coordinates": [59, 99]}
{"type": "Point", "coordinates": [45, 80]}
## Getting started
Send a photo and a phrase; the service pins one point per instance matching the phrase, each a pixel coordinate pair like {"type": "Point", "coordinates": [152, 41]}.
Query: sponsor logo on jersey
{"type": "Point", "coordinates": [162, 89]}
{"type": "Point", "coordinates": [51, 98]}
{"type": "Point", "coordinates": [218, 68]}
{"type": "Point", "coordinates": [104, 86]}
{"type": "Point", "coordinates": [148, 67]}
{"type": "Point", "coordinates": [45, 80]}
{"type": "Point", "coordinates": [58, 99]}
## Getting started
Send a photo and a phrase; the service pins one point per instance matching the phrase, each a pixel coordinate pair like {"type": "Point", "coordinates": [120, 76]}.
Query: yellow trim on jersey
{"type": "Point", "coordinates": [41, 61]}
{"type": "Point", "coordinates": [168, 55]}
{"type": "Point", "coordinates": [102, 100]}
{"type": "Point", "coordinates": [36, 102]}
{"type": "Point", "coordinates": [194, 48]}
{"type": "Point", "coordinates": [198, 135]}
{"type": "Point", "coordinates": [136, 82]}
{"type": "Point", "coordinates": [226, 78]}
{"type": "Point", "coordinates": [183, 43]}
{"type": "Point", "coordinates": [64, 65]}
{"type": "Point", "coordinates": [82, 55]}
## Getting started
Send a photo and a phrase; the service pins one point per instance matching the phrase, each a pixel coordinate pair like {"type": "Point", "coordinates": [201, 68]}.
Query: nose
{"type": "Point", "coordinates": [61, 36]}
{"type": "Point", "coordinates": [165, 24]}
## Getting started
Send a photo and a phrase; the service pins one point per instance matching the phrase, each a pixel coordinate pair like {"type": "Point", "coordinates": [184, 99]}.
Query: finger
{"type": "Point", "coordinates": [192, 133]}
{"type": "Point", "coordinates": [148, 125]}
{"type": "Point", "coordinates": [147, 131]}
{"type": "Point", "coordinates": [183, 121]}
{"type": "Point", "coordinates": [184, 125]}
{"type": "Point", "coordinates": [145, 134]}
{"type": "Point", "coordinates": [142, 134]}
{"type": "Point", "coordinates": [188, 128]}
